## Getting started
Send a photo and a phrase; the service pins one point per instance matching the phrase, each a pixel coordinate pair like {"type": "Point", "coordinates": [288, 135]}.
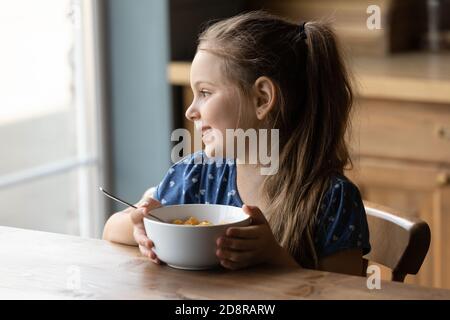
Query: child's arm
{"type": "Point", "coordinates": [119, 227]}
{"type": "Point", "coordinates": [347, 261]}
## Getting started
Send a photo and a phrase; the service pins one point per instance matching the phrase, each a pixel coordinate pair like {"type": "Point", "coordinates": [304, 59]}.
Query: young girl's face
{"type": "Point", "coordinates": [215, 106]}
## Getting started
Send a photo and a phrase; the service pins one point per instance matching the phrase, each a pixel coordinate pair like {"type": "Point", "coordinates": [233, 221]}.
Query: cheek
{"type": "Point", "coordinates": [220, 113]}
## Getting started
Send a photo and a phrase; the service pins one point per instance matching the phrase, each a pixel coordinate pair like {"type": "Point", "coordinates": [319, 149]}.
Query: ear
{"type": "Point", "coordinates": [265, 96]}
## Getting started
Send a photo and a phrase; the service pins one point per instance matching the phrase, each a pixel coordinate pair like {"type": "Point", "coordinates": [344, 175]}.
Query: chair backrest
{"type": "Point", "coordinates": [398, 242]}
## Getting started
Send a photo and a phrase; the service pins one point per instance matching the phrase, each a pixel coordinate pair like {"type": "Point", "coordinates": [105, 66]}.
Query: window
{"type": "Point", "coordinates": [50, 116]}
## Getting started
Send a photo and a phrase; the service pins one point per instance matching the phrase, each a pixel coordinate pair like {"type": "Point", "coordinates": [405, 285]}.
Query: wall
{"type": "Point", "coordinates": [139, 94]}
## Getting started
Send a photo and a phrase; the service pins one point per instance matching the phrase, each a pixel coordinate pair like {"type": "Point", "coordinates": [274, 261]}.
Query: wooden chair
{"type": "Point", "coordinates": [398, 242]}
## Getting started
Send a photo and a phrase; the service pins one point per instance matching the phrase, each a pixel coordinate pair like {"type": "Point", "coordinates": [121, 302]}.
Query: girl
{"type": "Point", "coordinates": [259, 71]}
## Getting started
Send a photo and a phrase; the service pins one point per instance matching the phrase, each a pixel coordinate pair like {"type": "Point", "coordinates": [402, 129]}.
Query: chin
{"type": "Point", "coordinates": [210, 150]}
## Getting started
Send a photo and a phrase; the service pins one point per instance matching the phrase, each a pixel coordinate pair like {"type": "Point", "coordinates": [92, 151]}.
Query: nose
{"type": "Point", "coordinates": [192, 113]}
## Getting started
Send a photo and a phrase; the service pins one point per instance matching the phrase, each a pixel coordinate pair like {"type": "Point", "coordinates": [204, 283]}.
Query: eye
{"type": "Point", "coordinates": [204, 93]}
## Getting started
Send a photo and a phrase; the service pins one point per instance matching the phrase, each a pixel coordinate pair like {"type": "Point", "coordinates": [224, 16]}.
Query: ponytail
{"type": "Point", "coordinates": [328, 87]}
{"type": "Point", "coordinates": [316, 149]}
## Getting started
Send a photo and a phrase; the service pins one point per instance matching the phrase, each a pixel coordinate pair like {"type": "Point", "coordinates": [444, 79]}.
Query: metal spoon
{"type": "Point", "coordinates": [126, 203]}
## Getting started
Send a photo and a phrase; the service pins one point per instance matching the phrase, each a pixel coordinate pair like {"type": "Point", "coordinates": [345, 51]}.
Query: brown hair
{"type": "Point", "coordinates": [311, 113]}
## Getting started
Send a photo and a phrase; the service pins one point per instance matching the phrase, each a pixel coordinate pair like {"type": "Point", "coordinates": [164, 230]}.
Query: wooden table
{"type": "Point", "coordinates": [40, 265]}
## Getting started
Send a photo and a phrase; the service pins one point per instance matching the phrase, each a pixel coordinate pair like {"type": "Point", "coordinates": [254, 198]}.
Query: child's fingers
{"type": "Point", "coordinates": [141, 237]}
{"type": "Point", "coordinates": [151, 204]}
{"type": "Point", "coordinates": [143, 204]}
{"type": "Point", "coordinates": [138, 233]}
{"type": "Point", "coordinates": [145, 251]}
{"type": "Point", "coordinates": [232, 265]}
{"type": "Point", "coordinates": [137, 215]}
{"type": "Point", "coordinates": [157, 261]}
{"type": "Point", "coordinates": [250, 232]}
{"type": "Point", "coordinates": [237, 243]}
{"type": "Point", "coordinates": [235, 256]}
{"type": "Point", "coordinates": [142, 240]}
{"type": "Point", "coordinates": [149, 253]}
{"type": "Point", "coordinates": [256, 214]}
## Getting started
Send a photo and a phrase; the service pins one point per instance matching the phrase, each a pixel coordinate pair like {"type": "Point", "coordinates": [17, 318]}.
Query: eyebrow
{"type": "Point", "coordinates": [201, 81]}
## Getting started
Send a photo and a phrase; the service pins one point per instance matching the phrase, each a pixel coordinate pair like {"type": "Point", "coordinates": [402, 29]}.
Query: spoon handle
{"type": "Point", "coordinates": [115, 198]}
{"type": "Point", "coordinates": [125, 203]}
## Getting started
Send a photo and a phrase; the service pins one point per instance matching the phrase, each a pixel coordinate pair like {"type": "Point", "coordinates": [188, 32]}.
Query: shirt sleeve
{"type": "Point", "coordinates": [342, 221]}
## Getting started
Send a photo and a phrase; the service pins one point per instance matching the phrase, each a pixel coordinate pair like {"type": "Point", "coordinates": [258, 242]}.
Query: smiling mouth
{"type": "Point", "coordinates": [207, 134]}
{"type": "Point", "coordinates": [206, 131]}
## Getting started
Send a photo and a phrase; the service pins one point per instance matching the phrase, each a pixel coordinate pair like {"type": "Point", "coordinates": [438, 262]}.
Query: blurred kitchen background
{"type": "Point", "coordinates": [91, 90]}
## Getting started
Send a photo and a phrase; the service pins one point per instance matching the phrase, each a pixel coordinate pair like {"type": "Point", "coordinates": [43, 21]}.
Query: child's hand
{"type": "Point", "coordinates": [137, 217]}
{"type": "Point", "coordinates": [246, 246]}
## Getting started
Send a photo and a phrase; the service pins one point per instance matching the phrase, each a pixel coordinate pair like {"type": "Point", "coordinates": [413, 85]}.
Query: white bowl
{"type": "Point", "coordinates": [191, 247]}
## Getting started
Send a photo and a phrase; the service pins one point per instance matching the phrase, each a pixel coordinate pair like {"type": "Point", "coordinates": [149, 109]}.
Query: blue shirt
{"type": "Point", "coordinates": [341, 222]}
